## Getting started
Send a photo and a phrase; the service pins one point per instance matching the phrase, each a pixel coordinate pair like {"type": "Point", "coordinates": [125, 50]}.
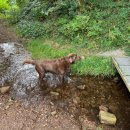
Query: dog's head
{"type": "Point", "coordinates": [73, 57]}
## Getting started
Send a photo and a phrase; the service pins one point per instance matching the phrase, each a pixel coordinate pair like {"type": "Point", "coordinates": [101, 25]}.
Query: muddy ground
{"type": "Point", "coordinates": [69, 108]}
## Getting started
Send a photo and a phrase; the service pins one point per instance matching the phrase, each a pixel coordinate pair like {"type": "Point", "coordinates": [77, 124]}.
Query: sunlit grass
{"type": "Point", "coordinates": [93, 65]}
{"type": "Point", "coordinates": [41, 50]}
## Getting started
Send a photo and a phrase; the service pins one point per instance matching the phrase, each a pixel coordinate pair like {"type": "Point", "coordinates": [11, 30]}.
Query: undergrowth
{"type": "Point", "coordinates": [30, 29]}
{"type": "Point", "coordinates": [92, 25]}
{"type": "Point", "coordinates": [95, 29]}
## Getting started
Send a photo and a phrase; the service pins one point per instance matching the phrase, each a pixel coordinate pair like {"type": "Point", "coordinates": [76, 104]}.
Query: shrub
{"type": "Point", "coordinates": [30, 29]}
{"type": "Point", "coordinates": [75, 26]}
{"type": "Point", "coordinates": [4, 5]}
{"type": "Point", "coordinates": [98, 28]}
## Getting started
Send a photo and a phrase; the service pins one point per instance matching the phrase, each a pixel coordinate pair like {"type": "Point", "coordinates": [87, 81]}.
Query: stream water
{"type": "Point", "coordinates": [80, 95]}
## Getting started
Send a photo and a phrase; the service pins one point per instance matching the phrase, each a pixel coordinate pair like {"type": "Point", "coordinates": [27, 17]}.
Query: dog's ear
{"type": "Point", "coordinates": [72, 55]}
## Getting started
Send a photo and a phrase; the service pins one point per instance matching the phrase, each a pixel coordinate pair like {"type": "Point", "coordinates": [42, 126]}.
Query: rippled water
{"type": "Point", "coordinates": [97, 91]}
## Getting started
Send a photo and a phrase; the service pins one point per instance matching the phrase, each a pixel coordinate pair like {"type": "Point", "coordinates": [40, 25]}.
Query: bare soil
{"type": "Point", "coordinates": [7, 33]}
{"type": "Point", "coordinates": [14, 116]}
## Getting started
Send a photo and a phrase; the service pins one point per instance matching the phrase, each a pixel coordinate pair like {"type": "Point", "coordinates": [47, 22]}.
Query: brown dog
{"type": "Point", "coordinates": [57, 66]}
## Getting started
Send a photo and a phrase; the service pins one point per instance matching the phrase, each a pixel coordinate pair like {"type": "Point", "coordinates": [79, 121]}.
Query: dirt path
{"type": "Point", "coordinates": [14, 116]}
{"type": "Point", "coordinates": [45, 116]}
{"type": "Point", "coordinates": [7, 33]}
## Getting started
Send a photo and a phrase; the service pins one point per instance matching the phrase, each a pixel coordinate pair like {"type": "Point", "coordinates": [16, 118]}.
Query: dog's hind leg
{"type": "Point", "coordinates": [41, 73]}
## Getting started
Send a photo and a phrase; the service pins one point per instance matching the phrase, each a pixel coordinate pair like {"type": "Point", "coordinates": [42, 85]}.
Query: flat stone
{"type": "Point", "coordinates": [54, 93]}
{"type": "Point", "coordinates": [107, 118]}
{"type": "Point", "coordinates": [82, 87]}
{"type": "Point", "coordinates": [76, 100]}
{"type": "Point", "coordinates": [127, 80]}
{"type": "Point", "coordinates": [53, 113]}
{"type": "Point", "coordinates": [4, 90]}
{"type": "Point", "coordinates": [103, 108]}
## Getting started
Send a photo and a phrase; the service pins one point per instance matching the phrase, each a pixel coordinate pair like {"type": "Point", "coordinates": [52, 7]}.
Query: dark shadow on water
{"type": "Point", "coordinates": [98, 91]}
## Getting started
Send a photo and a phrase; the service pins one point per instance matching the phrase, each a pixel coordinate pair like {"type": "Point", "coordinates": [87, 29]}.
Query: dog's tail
{"type": "Point", "coordinates": [29, 62]}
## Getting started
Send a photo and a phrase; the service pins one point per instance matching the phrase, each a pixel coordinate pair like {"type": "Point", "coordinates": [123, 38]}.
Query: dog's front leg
{"type": "Point", "coordinates": [61, 79]}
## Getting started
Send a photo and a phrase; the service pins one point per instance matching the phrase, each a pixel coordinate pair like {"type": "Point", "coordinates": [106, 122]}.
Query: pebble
{"type": "Point", "coordinates": [54, 93]}
{"type": "Point", "coordinates": [82, 87]}
{"type": "Point", "coordinates": [5, 89]}
{"type": "Point", "coordinates": [7, 107]}
{"type": "Point", "coordinates": [103, 108]}
{"type": "Point", "coordinates": [116, 79]}
{"type": "Point", "coordinates": [53, 113]}
{"type": "Point", "coordinates": [76, 100]}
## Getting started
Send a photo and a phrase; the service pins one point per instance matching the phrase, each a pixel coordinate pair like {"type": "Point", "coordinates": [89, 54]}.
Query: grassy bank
{"type": "Point", "coordinates": [91, 65]}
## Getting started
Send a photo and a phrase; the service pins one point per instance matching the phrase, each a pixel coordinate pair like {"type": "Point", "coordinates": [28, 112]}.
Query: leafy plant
{"type": "Point", "coordinates": [4, 5]}
{"type": "Point", "coordinates": [30, 29]}
{"type": "Point", "coordinates": [74, 27]}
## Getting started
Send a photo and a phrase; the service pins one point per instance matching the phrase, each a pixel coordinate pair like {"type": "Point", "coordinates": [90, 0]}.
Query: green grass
{"type": "Point", "coordinates": [40, 49]}
{"type": "Point", "coordinates": [127, 50]}
{"type": "Point", "coordinates": [93, 65]}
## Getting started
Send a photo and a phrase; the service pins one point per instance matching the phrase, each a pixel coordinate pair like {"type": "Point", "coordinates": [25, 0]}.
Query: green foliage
{"type": "Point", "coordinates": [7, 7]}
{"type": "Point", "coordinates": [30, 29]}
{"type": "Point", "coordinates": [103, 25]}
{"type": "Point", "coordinates": [21, 3]}
{"type": "Point", "coordinates": [13, 15]}
{"type": "Point", "coordinates": [127, 50]}
{"type": "Point", "coordinates": [75, 26]}
{"type": "Point", "coordinates": [4, 5]}
{"type": "Point", "coordinates": [98, 29]}
{"type": "Point", "coordinates": [40, 10]}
